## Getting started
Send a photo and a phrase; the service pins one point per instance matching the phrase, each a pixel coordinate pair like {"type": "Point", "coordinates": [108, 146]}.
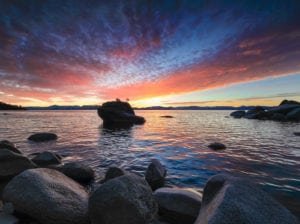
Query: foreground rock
{"type": "Point", "coordinates": [178, 205]}
{"type": "Point", "coordinates": [126, 199]}
{"type": "Point", "coordinates": [229, 200]}
{"type": "Point", "coordinates": [285, 111]}
{"type": "Point", "coordinates": [46, 158]}
{"type": "Point", "coordinates": [8, 219]}
{"type": "Point", "coordinates": [117, 113]}
{"type": "Point", "coordinates": [4, 144]}
{"type": "Point", "coordinates": [156, 174]}
{"type": "Point", "coordinates": [48, 196]}
{"type": "Point", "coordinates": [42, 137]}
{"type": "Point", "coordinates": [112, 173]}
{"type": "Point", "coordinates": [11, 164]}
{"type": "Point", "coordinates": [217, 146]}
{"type": "Point", "coordinates": [77, 171]}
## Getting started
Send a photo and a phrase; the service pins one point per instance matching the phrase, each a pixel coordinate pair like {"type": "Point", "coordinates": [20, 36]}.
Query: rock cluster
{"type": "Point", "coordinates": [285, 111]}
{"type": "Point", "coordinates": [118, 113]}
{"type": "Point", "coordinates": [54, 195]}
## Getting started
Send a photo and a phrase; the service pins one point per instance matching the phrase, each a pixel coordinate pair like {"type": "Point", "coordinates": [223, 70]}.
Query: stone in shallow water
{"type": "Point", "coordinates": [11, 164]}
{"type": "Point", "coordinates": [48, 196]}
{"type": "Point", "coordinates": [217, 146]}
{"type": "Point", "coordinates": [42, 137]}
{"type": "Point", "coordinates": [178, 205]}
{"type": "Point", "coordinates": [112, 173]}
{"type": "Point", "coordinates": [123, 200]}
{"type": "Point", "coordinates": [155, 174]}
{"type": "Point", "coordinates": [230, 200]}
{"type": "Point", "coordinates": [46, 158]}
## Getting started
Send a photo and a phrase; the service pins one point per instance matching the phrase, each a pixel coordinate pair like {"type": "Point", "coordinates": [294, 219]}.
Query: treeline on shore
{"type": "Point", "coordinates": [5, 106]}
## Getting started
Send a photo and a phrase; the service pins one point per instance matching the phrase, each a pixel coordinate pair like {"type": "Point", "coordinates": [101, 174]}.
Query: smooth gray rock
{"type": "Point", "coordinates": [46, 158]}
{"type": "Point", "coordinates": [155, 174]}
{"type": "Point", "coordinates": [112, 173]}
{"type": "Point", "coordinates": [238, 114]}
{"type": "Point", "coordinates": [217, 146]}
{"type": "Point", "coordinates": [123, 200]}
{"type": "Point", "coordinates": [48, 196]}
{"type": "Point", "coordinates": [11, 164]}
{"type": "Point", "coordinates": [5, 144]}
{"type": "Point", "coordinates": [178, 205]}
{"type": "Point", "coordinates": [42, 137]}
{"type": "Point", "coordinates": [77, 171]}
{"type": "Point", "coordinates": [230, 200]}
{"type": "Point", "coordinates": [294, 115]}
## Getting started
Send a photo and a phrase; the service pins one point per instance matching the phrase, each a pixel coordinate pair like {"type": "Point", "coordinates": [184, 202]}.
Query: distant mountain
{"type": "Point", "coordinates": [6, 106]}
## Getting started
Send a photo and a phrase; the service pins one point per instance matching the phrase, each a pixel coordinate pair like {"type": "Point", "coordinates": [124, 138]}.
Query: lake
{"type": "Point", "coordinates": [266, 152]}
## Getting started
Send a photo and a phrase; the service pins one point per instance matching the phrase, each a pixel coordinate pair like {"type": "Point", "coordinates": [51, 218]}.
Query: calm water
{"type": "Point", "coordinates": [265, 151]}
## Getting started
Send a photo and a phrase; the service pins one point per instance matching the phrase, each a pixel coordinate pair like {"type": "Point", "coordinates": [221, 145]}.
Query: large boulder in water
{"type": "Point", "coordinates": [112, 173]}
{"type": "Point", "coordinates": [155, 174]}
{"type": "Point", "coordinates": [118, 113]}
{"type": "Point", "coordinates": [48, 196]}
{"type": "Point", "coordinates": [178, 205]}
{"type": "Point", "coordinates": [42, 137]}
{"type": "Point", "coordinates": [126, 199]}
{"type": "Point", "coordinates": [230, 200]}
{"type": "Point", "coordinates": [11, 164]}
{"type": "Point", "coordinates": [289, 102]}
{"type": "Point", "coordinates": [46, 158]}
{"type": "Point", "coordinates": [5, 144]}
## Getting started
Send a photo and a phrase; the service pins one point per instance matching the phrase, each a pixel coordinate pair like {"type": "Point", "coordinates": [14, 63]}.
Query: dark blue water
{"type": "Point", "coordinates": [267, 152]}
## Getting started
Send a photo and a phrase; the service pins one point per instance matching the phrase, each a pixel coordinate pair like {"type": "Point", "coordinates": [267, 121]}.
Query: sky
{"type": "Point", "coordinates": [167, 53]}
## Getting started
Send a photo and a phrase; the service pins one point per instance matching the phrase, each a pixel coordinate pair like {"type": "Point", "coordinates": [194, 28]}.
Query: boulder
{"type": "Point", "coordinates": [294, 115]}
{"type": "Point", "coordinates": [48, 196]}
{"type": "Point", "coordinates": [217, 146]}
{"type": "Point", "coordinates": [116, 113]}
{"type": "Point", "coordinates": [77, 171]}
{"type": "Point", "coordinates": [4, 144]}
{"type": "Point", "coordinates": [255, 110]}
{"type": "Point", "coordinates": [178, 205]}
{"type": "Point", "coordinates": [11, 164]}
{"type": "Point", "coordinates": [155, 174]}
{"type": "Point", "coordinates": [126, 199]}
{"type": "Point", "coordinates": [283, 109]}
{"type": "Point", "coordinates": [8, 219]}
{"type": "Point", "coordinates": [46, 158]}
{"type": "Point", "coordinates": [112, 173]}
{"type": "Point", "coordinates": [42, 137]}
{"type": "Point", "coordinates": [230, 200]}
{"type": "Point", "coordinates": [238, 114]}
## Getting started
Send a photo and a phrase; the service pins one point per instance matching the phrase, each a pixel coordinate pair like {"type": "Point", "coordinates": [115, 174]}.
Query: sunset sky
{"type": "Point", "coordinates": [168, 53]}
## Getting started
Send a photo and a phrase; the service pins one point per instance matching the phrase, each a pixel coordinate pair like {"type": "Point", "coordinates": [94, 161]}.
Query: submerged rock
{"type": "Point", "coordinates": [112, 173]}
{"type": "Point", "coordinates": [297, 133]}
{"type": "Point", "coordinates": [116, 113]}
{"type": "Point", "coordinates": [178, 205]}
{"type": "Point", "coordinates": [46, 158]}
{"type": "Point", "coordinates": [48, 196]}
{"type": "Point", "coordinates": [167, 116]}
{"type": "Point", "coordinates": [5, 144]}
{"type": "Point", "coordinates": [77, 171]}
{"type": "Point", "coordinates": [217, 146]}
{"type": "Point", "coordinates": [42, 137]}
{"type": "Point", "coordinates": [155, 174]}
{"type": "Point", "coordinates": [238, 114]}
{"type": "Point", "coordinates": [229, 200]}
{"type": "Point", "coordinates": [126, 199]}
{"type": "Point", "coordinates": [11, 164]}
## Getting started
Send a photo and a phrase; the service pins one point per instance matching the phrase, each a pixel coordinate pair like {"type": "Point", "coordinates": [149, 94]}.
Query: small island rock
{"type": "Point", "coordinates": [217, 146]}
{"type": "Point", "coordinates": [238, 114]}
{"type": "Point", "coordinates": [46, 158]}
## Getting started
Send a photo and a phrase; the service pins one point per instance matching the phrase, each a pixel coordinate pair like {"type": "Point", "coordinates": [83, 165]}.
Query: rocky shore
{"type": "Point", "coordinates": [41, 189]}
{"type": "Point", "coordinates": [287, 110]}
